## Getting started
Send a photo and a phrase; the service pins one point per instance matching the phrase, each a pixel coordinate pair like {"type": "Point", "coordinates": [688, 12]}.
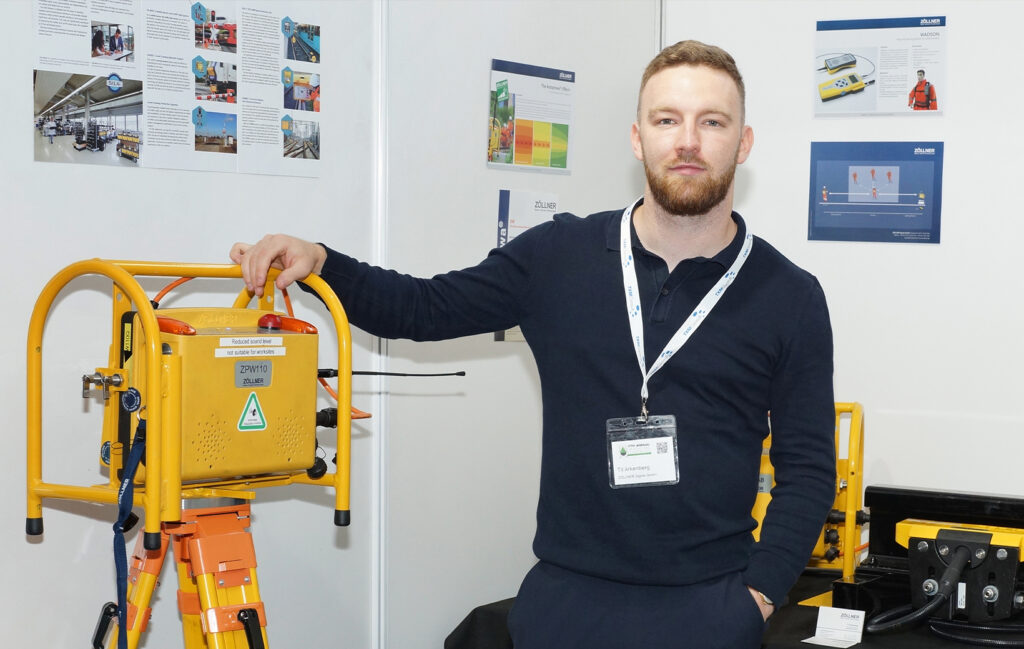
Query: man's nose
{"type": "Point", "coordinates": [687, 139]}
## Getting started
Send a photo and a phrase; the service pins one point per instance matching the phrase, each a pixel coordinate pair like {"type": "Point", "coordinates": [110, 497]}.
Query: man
{"type": "Point", "coordinates": [922, 96]}
{"type": "Point", "coordinates": [50, 128]}
{"type": "Point", "coordinates": [636, 553]}
{"type": "Point", "coordinates": [116, 42]}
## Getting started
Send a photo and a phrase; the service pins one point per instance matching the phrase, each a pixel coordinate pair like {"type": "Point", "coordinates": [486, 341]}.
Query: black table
{"type": "Point", "coordinates": [792, 623]}
{"type": "Point", "coordinates": [485, 626]}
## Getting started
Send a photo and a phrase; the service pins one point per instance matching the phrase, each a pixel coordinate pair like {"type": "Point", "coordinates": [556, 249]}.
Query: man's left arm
{"type": "Point", "coordinates": [802, 454]}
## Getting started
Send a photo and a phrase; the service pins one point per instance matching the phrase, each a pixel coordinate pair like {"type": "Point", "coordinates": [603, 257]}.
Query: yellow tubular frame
{"type": "Point", "coordinates": [854, 478]}
{"type": "Point", "coordinates": [162, 491]}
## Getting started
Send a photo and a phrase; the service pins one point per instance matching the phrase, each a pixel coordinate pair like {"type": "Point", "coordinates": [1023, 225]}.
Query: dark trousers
{"type": "Point", "coordinates": [560, 609]}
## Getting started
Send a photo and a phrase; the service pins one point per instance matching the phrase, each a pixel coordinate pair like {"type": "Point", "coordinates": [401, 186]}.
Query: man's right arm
{"type": "Point", "coordinates": [294, 257]}
{"type": "Point", "coordinates": [489, 296]}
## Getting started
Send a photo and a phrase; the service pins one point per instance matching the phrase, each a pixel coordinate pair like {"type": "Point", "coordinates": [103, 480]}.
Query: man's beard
{"type": "Point", "coordinates": [685, 196]}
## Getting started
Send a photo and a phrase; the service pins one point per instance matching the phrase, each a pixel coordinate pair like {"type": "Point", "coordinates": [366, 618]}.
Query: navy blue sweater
{"type": "Point", "coordinates": [767, 346]}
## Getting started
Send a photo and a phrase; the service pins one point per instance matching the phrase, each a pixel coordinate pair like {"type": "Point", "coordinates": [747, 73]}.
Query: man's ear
{"type": "Point", "coordinates": [746, 143]}
{"type": "Point", "coordinates": [634, 138]}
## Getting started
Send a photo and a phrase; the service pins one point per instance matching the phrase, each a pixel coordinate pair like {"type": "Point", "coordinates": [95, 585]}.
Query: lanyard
{"type": "Point", "coordinates": [633, 310]}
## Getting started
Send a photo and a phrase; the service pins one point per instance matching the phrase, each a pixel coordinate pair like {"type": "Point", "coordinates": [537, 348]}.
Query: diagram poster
{"type": "Point", "coordinates": [875, 191]}
{"type": "Point", "coordinates": [518, 211]}
{"type": "Point", "coordinates": [880, 66]}
{"type": "Point", "coordinates": [530, 116]}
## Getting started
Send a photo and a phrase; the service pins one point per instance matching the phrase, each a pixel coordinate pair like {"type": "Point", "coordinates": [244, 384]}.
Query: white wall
{"type": "Point", "coordinates": [318, 581]}
{"type": "Point", "coordinates": [927, 336]}
{"type": "Point", "coordinates": [445, 475]}
{"type": "Point", "coordinates": [463, 455]}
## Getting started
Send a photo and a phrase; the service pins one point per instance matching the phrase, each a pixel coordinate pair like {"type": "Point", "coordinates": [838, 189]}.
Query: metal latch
{"type": "Point", "coordinates": [100, 380]}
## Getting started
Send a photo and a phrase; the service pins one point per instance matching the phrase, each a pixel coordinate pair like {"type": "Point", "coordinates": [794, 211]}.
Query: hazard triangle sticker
{"type": "Point", "coordinates": [252, 416]}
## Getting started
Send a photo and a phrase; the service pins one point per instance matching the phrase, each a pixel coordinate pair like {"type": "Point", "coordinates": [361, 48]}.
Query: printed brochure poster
{"type": "Point", "coordinates": [518, 211]}
{"type": "Point", "coordinates": [881, 66]}
{"type": "Point", "coordinates": [876, 191]}
{"type": "Point", "coordinates": [211, 85]}
{"type": "Point", "coordinates": [530, 117]}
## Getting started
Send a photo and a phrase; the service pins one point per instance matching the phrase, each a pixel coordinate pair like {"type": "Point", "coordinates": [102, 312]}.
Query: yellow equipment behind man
{"type": "Point", "coordinates": [841, 532]}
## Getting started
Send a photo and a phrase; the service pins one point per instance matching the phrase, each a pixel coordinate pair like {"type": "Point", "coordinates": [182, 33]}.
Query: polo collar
{"type": "Point", "coordinates": [725, 257]}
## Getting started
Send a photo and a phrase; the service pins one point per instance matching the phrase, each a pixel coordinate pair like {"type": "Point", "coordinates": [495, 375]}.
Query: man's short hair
{"type": "Point", "coordinates": [117, 31]}
{"type": "Point", "coordinates": [694, 53]}
{"type": "Point", "coordinates": [920, 71]}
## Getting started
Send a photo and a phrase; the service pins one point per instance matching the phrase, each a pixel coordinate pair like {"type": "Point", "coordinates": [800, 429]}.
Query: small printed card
{"type": "Point", "coordinates": [838, 627]}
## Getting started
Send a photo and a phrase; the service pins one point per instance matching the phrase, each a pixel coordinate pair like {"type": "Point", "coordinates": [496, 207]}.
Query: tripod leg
{"type": "Point", "coordinates": [188, 597]}
{"type": "Point", "coordinates": [143, 572]}
{"type": "Point", "coordinates": [221, 563]}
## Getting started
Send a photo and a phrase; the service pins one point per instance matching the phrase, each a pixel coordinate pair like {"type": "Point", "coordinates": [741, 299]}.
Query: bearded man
{"type": "Point", "coordinates": [664, 335]}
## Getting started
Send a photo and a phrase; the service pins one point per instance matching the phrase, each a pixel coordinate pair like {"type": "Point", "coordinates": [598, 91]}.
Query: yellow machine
{"type": "Point", "coordinates": [988, 588]}
{"type": "Point", "coordinates": [216, 402]}
{"type": "Point", "coordinates": [841, 533]}
{"type": "Point", "coordinates": [841, 86]}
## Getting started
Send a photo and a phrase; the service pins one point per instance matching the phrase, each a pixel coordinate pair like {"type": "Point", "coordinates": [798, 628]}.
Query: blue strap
{"type": "Point", "coordinates": [125, 498]}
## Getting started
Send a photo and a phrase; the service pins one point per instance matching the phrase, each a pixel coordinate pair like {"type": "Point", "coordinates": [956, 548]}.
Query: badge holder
{"type": "Point", "coordinates": [642, 451]}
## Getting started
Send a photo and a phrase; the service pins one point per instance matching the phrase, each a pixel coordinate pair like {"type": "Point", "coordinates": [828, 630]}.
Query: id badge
{"type": "Point", "coordinates": [642, 453]}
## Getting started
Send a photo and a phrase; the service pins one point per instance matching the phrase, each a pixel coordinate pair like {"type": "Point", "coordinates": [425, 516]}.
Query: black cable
{"type": "Point", "coordinates": [884, 622]}
{"type": "Point", "coordinates": [971, 634]}
{"type": "Point", "coordinates": [994, 627]}
{"type": "Point", "coordinates": [332, 373]}
{"type": "Point", "coordinates": [364, 373]}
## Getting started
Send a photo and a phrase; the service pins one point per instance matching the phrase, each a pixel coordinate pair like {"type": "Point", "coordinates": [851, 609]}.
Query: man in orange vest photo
{"type": "Point", "coordinates": [922, 96]}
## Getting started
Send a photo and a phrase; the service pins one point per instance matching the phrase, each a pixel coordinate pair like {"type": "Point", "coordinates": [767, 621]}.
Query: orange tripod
{"type": "Point", "coordinates": [218, 593]}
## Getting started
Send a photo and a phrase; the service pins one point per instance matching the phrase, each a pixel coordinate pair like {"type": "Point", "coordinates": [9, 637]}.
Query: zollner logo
{"type": "Point", "coordinates": [931, 21]}
{"type": "Point", "coordinates": [924, 150]}
{"type": "Point", "coordinates": [565, 75]}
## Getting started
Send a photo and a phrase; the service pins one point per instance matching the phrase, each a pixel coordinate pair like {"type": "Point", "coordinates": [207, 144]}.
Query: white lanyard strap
{"type": "Point", "coordinates": [633, 308]}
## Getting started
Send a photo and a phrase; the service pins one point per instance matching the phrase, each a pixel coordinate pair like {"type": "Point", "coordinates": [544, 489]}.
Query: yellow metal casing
{"type": "Point", "coordinates": [245, 406]}
{"type": "Point", "coordinates": [175, 428]}
{"type": "Point", "coordinates": [843, 528]}
{"type": "Point", "coordinates": [913, 528]}
{"type": "Point", "coordinates": [765, 482]}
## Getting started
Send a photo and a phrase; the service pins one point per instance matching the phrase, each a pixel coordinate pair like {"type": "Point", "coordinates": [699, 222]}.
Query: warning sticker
{"type": "Point", "coordinates": [250, 341]}
{"type": "Point", "coordinates": [252, 415]}
{"type": "Point", "coordinates": [248, 352]}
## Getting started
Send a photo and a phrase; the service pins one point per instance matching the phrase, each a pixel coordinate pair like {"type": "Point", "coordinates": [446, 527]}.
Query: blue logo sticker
{"type": "Point", "coordinates": [114, 83]}
{"type": "Point", "coordinates": [287, 26]}
{"type": "Point", "coordinates": [286, 124]}
{"type": "Point", "coordinates": [131, 400]}
{"type": "Point", "coordinates": [287, 77]}
{"type": "Point", "coordinates": [199, 67]}
{"type": "Point", "coordinates": [198, 116]}
{"type": "Point", "coordinates": [198, 13]}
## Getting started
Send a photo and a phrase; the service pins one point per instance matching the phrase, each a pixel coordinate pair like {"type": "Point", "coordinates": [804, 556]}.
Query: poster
{"type": "Point", "coordinates": [880, 66]}
{"type": "Point", "coordinates": [876, 191]}
{"type": "Point", "coordinates": [518, 211]}
{"type": "Point", "coordinates": [530, 117]}
{"type": "Point", "coordinates": [218, 85]}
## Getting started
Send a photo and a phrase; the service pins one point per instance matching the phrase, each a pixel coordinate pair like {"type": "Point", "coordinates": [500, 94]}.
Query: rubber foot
{"type": "Point", "coordinates": [151, 540]}
{"type": "Point", "coordinates": [342, 517]}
